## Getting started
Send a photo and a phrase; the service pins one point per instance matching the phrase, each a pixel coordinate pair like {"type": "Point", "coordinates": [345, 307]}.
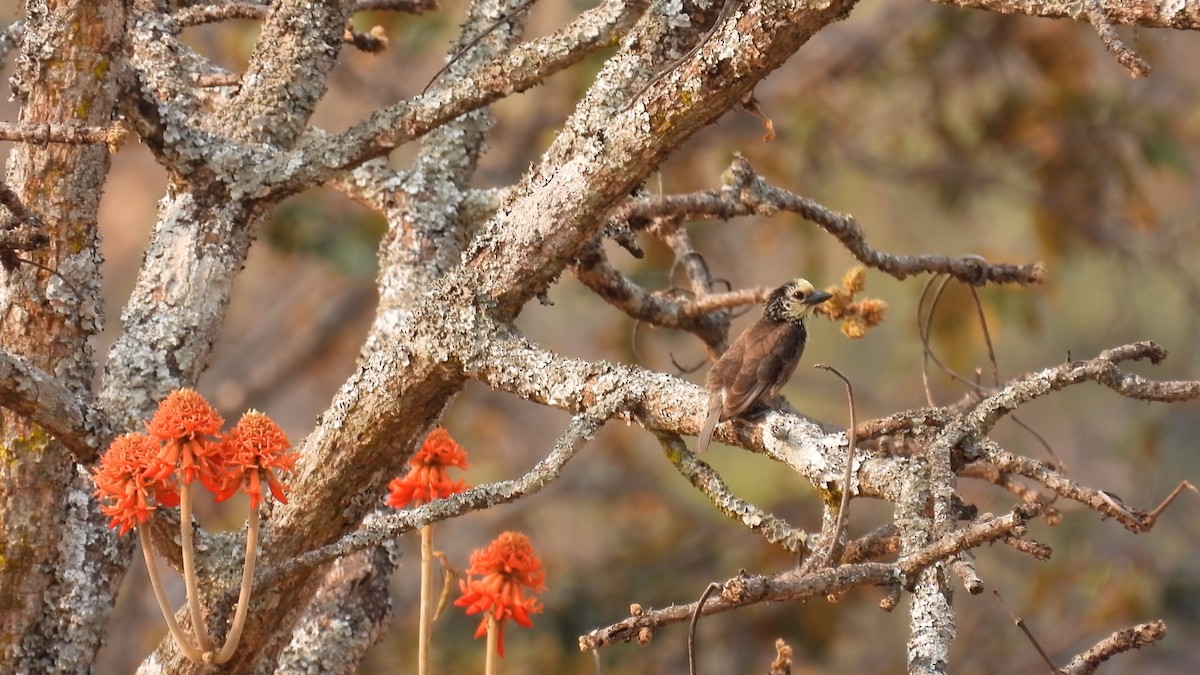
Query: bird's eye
{"type": "Point", "coordinates": [799, 295]}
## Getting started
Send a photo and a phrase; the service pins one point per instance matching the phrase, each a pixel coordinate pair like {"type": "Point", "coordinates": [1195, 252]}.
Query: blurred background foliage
{"type": "Point", "coordinates": [944, 131]}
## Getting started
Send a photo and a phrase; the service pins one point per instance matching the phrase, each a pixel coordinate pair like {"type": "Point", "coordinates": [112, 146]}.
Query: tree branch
{"type": "Point", "coordinates": [747, 193]}
{"type": "Point", "coordinates": [74, 419]}
{"type": "Point", "coordinates": [319, 160]}
{"type": "Point", "coordinates": [1135, 637]}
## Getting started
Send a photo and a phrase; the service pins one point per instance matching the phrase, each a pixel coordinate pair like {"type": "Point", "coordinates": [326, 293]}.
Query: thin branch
{"type": "Point", "coordinates": [1101, 369]}
{"type": "Point", "coordinates": [1020, 623]}
{"type": "Point", "coordinates": [470, 43]}
{"type": "Point", "coordinates": [702, 476]}
{"type": "Point", "coordinates": [514, 71]}
{"type": "Point", "coordinates": [697, 315]}
{"type": "Point", "coordinates": [745, 589]}
{"type": "Point", "coordinates": [112, 135]}
{"type": "Point", "coordinates": [1136, 637]}
{"type": "Point", "coordinates": [74, 419]}
{"type": "Point", "coordinates": [382, 529]}
{"type": "Point", "coordinates": [747, 193]}
{"type": "Point", "coordinates": [851, 443]}
{"type": "Point", "coordinates": [964, 566]}
{"type": "Point", "coordinates": [695, 621]}
{"type": "Point", "coordinates": [796, 586]}
{"type": "Point", "coordinates": [1098, 16]}
{"type": "Point", "coordinates": [198, 15]}
{"type": "Point", "coordinates": [793, 586]}
{"type": "Point", "coordinates": [1152, 517]}
{"type": "Point", "coordinates": [1149, 15]}
{"type": "Point", "coordinates": [1037, 471]}
{"type": "Point", "coordinates": [976, 534]}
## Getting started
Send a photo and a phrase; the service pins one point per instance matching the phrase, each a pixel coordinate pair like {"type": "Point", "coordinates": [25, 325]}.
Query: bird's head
{"type": "Point", "coordinates": [792, 301]}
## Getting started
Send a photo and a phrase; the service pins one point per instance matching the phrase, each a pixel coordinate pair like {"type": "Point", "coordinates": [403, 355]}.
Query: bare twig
{"type": "Point", "coordinates": [964, 567]}
{"type": "Point", "coordinates": [1152, 517]}
{"type": "Point", "coordinates": [112, 135]}
{"type": "Point", "coordinates": [198, 15]}
{"type": "Point", "coordinates": [851, 441]}
{"type": "Point", "coordinates": [1101, 369]}
{"type": "Point", "coordinates": [1020, 623]}
{"type": "Point", "coordinates": [747, 193]}
{"type": "Point", "coordinates": [691, 642]}
{"type": "Point", "coordinates": [1136, 637]}
{"type": "Point", "coordinates": [742, 590]}
{"type": "Point", "coordinates": [1098, 16]}
{"type": "Point", "coordinates": [474, 41]}
{"type": "Point", "coordinates": [702, 476]}
{"type": "Point", "coordinates": [515, 71]}
{"type": "Point", "coordinates": [581, 428]}
{"type": "Point", "coordinates": [924, 331]}
{"type": "Point", "coordinates": [795, 586]}
{"type": "Point", "coordinates": [1037, 471]}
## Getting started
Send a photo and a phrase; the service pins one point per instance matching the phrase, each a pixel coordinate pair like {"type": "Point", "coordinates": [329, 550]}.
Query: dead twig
{"type": "Point", "coordinates": [1020, 623]}
{"type": "Point", "coordinates": [1136, 637]}
{"type": "Point", "coordinates": [1152, 517]}
{"type": "Point", "coordinates": [691, 642]}
{"type": "Point", "coordinates": [852, 441]}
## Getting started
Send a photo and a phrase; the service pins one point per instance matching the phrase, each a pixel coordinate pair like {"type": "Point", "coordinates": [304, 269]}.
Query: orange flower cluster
{"type": "Point", "coordinates": [187, 426]}
{"type": "Point", "coordinates": [428, 479]}
{"type": "Point", "coordinates": [128, 478]}
{"type": "Point", "coordinates": [140, 472]}
{"type": "Point", "coordinates": [496, 583]}
{"type": "Point", "coordinates": [253, 452]}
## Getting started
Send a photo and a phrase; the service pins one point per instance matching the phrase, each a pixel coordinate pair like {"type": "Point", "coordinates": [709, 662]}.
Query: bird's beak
{"type": "Point", "coordinates": [818, 297]}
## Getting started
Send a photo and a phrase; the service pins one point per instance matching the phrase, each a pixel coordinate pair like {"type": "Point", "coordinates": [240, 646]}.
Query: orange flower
{"type": "Point", "coordinates": [187, 426]}
{"type": "Point", "coordinates": [428, 479]}
{"type": "Point", "coordinates": [504, 569]}
{"type": "Point", "coordinates": [128, 478]}
{"type": "Point", "coordinates": [253, 452]}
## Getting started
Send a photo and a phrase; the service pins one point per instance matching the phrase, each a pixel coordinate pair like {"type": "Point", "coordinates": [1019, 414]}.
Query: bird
{"type": "Point", "coordinates": [762, 359]}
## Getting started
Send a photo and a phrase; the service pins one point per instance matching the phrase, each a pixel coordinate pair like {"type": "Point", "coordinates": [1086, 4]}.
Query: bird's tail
{"type": "Point", "coordinates": [706, 432]}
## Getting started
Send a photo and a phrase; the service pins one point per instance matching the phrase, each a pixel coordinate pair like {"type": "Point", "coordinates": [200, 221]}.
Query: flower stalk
{"type": "Point", "coordinates": [425, 621]}
{"type": "Point", "coordinates": [491, 662]}
{"type": "Point", "coordinates": [141, 472]}
{"type": "Point", "coordinates": [496, 583]}
{"type": "Point", "coordinates": [428, 479]}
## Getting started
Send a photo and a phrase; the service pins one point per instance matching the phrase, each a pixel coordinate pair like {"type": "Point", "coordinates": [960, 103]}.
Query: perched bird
{"type": "Point", "coordinates": [762, 358]}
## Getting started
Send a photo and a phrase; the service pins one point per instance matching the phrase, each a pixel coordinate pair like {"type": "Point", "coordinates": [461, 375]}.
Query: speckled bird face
{"type": "Point", "coordinates": [792, 301]}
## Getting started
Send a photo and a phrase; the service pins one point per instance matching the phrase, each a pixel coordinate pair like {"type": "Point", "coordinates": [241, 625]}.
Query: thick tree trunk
{"type": "Point", "coordinates": [65, 76]}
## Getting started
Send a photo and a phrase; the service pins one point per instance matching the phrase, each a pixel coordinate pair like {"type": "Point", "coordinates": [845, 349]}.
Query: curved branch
{"type": "Point", "coordinates": [1134, 637]}
{"type": "Point", "coordinates": [774, 529]}
{"type": "Point", "coordinates": [658, 401]}
{"type": "Point", "coordinates": [1182, 15]}
{"type": "Point", "coordinates": [526, 65]}
{"type": "Point", "coordinates": [792, 586]}
{"type": "Point", "coordinates": [74, 419]}
{"type": "Point", "coordinates": [1102, 369]}
{"type": "Point", "coordinates": [386, 528]}
{"type": "Point", "coordinates": [740, 591]}
{"type": "Point", "coordinates": [747, 193]}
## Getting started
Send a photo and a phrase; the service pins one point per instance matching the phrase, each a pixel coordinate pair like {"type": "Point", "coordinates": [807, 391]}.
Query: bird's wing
{"type": "Point", "coordinates": [755, 366]}
{"type": "Point", "coordinates": [766, 365]}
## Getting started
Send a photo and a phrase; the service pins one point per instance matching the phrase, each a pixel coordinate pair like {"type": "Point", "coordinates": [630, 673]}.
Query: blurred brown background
{"type": "Point", "coordinates": [942, 130]}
